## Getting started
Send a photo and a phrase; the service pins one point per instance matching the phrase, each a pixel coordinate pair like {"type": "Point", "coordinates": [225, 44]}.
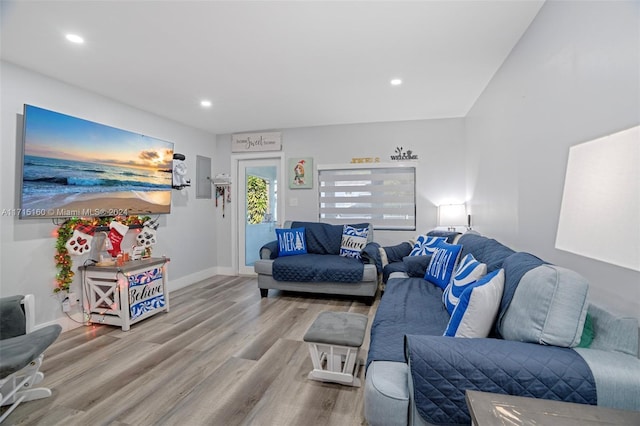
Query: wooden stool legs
{"type": "Point", "coordinates": [334, 363]}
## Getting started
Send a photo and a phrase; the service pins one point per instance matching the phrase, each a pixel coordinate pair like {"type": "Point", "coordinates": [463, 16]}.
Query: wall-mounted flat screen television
{"type": "Point", "coordinates": [77, 168]}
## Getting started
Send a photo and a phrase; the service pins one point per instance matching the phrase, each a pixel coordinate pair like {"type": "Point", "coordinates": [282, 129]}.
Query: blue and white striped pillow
{"type": "Point", "coordinates": [425, 245]}
{"type": "Point", "coordinates": [468, 272]}
{"type": "Point", "coordinates": [478, 307]}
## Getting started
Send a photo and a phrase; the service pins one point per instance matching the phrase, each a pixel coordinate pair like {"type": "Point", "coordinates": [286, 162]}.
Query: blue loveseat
{"type": "Point", "coordinates": [416, 376]}
{"type": "Point", "coordinates": [322, 269]}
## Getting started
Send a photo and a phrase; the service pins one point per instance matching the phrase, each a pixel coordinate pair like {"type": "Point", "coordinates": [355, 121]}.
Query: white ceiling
{"type": "Point", "coordinates": [271, 65]}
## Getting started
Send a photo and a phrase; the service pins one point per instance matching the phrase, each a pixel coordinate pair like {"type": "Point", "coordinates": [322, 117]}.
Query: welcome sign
{"type": "Point", "coordinates": [145, 292]}
{"type": "Point", "coordinates": [254, 142]}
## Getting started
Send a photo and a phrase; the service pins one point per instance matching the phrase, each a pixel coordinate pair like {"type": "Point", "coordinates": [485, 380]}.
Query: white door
{"type": "Point", "coordinates": [260, 189]}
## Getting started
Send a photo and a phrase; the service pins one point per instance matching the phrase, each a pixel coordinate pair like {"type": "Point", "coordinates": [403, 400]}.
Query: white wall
{"type": "Point", "coordinates": [573, 77]}
{"type": "Point", "coordinates": [27, 247]}
{"type": "Point", "coordinates": [440, 176]}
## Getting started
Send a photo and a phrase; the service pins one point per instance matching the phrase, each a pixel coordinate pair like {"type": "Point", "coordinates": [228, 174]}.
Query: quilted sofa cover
{"type": "Point", "coordinates": [420, 378]}
{"type": "Point", "coordinates": [322, 269]}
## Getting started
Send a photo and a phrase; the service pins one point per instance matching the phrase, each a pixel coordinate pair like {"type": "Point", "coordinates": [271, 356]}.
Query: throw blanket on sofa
{"type": "Point", "coordinates": [413, 306]}
{"type": "Point", "coordinates": [318, 268]}
{"type": "Point", "coordinates": [442, 368]}
{"type": "Point", "coordinates": [515, 266]}
{"type": "Point", "coordinates": [323, 238]}
{"type": "Point", "coordinates": [485, 250]}
{"type": "Point", "coordinates": [371, 254]}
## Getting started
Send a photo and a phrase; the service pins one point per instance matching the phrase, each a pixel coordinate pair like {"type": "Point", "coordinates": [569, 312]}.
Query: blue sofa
{"type": "Point", "coordinates": [322, 270]}
{"type": "Point", "coordinates": [416, 376]}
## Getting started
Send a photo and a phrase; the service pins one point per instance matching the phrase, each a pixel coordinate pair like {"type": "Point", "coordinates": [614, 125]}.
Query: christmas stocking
{"type": "Point", "coordinates": [147, 237]}
{"type": "Point", "coordinates": [116, 234]}
{"type": "Point", "coordinates": [80, 241]}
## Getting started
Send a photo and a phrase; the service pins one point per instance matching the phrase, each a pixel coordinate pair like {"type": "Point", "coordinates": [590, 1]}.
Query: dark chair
{"type": "Point", "coordinates": [21, 352]}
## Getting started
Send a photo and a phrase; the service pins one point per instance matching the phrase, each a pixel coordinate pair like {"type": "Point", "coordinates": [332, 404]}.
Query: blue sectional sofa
{"type": "Point", "coordinates": [322, 269]}
{"type": "Point", "coordinates": [546, 342]}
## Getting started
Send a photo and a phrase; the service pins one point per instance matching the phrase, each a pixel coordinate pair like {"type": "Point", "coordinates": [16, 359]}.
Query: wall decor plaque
{"type": "Point", "coordinates": [256, 142]}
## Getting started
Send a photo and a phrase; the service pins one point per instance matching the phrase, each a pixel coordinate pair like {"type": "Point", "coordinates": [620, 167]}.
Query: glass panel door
{"type": "Point", "coordinates": [259, 214]}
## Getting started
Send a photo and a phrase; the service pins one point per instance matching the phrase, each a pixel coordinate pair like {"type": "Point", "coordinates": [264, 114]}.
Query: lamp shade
{"type": "Point", "coordinates": [600, 211]}
{"type": "Point", "coordinates": [452, 215]}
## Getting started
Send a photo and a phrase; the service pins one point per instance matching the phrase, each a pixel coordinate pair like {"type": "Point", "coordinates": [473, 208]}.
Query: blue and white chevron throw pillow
{"type": "Point", "coordinates": [353, 241]}
{"type": "Point", "coordinates": [468, 272]}
{"type": "Point", "coordinates": [425, 245]}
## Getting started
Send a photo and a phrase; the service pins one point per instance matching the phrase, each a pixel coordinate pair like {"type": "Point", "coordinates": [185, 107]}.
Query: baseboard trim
{"type": "Point", "coordinates": [225, 270]}
{"type": "Point", "coordinates": [76, 315]}
{"type": "Point", "coordinates": [177, 284]}
{"type": "Point", "coordinates": [65, 322]}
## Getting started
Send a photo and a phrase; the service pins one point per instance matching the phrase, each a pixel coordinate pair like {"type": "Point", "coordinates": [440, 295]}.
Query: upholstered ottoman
{"type": "Point", "coordinates": [334, 341]}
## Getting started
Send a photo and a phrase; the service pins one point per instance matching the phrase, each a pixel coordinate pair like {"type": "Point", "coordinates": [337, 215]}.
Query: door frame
{"type": "Point", "coordinates": [235, 192]}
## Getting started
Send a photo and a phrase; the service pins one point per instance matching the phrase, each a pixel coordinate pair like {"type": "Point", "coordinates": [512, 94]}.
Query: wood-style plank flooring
{"type": "Point", "coordinates": [221, 356]}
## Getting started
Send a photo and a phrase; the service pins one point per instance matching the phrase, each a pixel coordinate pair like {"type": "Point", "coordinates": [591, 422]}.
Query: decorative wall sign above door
{"type": "Point", "coordinates": [254, 142]}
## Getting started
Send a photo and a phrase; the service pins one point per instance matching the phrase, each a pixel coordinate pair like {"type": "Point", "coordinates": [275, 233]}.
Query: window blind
{"type": "Point", "coordinates": [383, 196]}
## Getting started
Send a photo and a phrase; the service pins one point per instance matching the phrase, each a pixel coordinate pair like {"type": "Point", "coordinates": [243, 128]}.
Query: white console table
{"type": "Point", "coordinates": [124, 295]}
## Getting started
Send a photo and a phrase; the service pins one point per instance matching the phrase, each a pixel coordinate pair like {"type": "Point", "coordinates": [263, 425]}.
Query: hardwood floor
{"type": "Point", "coordinates": [221, 356]}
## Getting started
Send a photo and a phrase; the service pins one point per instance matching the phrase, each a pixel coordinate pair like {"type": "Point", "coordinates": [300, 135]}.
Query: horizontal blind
{"type": "Point", "coordinates": [383, 196]}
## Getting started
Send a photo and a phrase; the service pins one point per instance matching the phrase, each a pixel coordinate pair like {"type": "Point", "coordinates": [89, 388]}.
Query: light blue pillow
{"type": "Point", "coordinates": [548, 307]}
{"type": "Point", "coordinates": [468, 272]}
{"type": "Point", "coordinates": [443, 262]}
{"type": "Point", "coordinates": [426, 245]}
{"type": "Point", "coordinates": [478, 307]}
{"type": "Point", "coordinates": [353, 241]}
{"type": "Point", "coordinates": [291, 241]}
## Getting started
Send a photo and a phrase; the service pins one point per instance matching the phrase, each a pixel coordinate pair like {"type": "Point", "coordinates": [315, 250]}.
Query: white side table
{"type": "Point", "coordinates": [124, 295]}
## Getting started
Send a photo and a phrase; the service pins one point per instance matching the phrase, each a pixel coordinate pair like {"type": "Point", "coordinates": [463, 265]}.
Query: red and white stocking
{"type": "Point", "coordinates": [116, 234]}
{"type": "Point", "coordinates": [80, 241]}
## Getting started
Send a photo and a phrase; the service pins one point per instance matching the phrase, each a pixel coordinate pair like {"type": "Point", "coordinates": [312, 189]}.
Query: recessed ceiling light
{"type": "Point", "coordinates": [205, 103]}
{"type": "Point", "coordinates": [74, 38]}
{"type": "Point", "coordinates": [396, 82]}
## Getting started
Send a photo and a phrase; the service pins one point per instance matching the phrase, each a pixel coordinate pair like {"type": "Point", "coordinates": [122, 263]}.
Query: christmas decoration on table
{"type": "Point", "coordinates": [147, 237]}
{"type": "Point", "coordinates": [80, 241]}
{"type": "Point", "coordinates": [64, 265]}
{"type": "Point", "coordinates": [137, 252]}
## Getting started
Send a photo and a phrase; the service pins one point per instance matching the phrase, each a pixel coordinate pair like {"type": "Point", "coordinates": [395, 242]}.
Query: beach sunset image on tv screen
{"type": "Point", "coordinates": [74, 167]}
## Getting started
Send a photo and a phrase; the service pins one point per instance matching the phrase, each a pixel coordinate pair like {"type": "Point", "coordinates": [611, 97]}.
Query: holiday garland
{"type": "Point", "coordinates": [64, 276]}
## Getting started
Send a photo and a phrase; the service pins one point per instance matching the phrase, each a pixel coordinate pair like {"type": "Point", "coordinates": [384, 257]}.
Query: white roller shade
{"type": "Point", "coordinates": [383, 196]}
